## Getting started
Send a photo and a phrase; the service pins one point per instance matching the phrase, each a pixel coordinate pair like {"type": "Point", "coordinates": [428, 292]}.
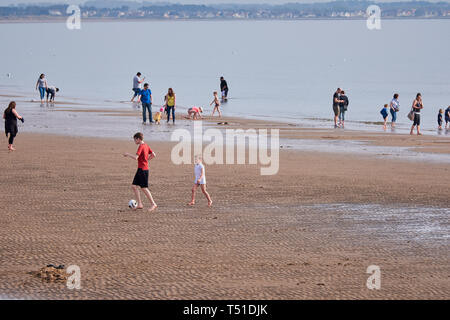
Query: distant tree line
{"type": "Point", "coordinates": [336, 9]}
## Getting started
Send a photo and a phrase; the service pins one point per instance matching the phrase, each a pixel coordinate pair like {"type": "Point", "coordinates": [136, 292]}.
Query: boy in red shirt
{"type": "Point", "coordinates": [143, 155]}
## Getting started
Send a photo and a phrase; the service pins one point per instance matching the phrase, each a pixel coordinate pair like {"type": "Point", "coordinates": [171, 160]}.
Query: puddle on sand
{"type": "Point", "coordinates": [393, 222]}
{"type": "Point", "coordinates": [360, 147]}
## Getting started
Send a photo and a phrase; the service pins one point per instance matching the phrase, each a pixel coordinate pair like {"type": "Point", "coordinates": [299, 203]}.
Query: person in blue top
{"type": "Point", "coordinates": [145, 96]}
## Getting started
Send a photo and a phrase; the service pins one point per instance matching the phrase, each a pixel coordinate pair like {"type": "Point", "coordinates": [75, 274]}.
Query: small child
{"type": "Point", "coordinates": [158, 116]}
{"type": "Point", "coordinates": [440, 120]}
{"type": "Point", "coordinates": [195, 113]}
{"type": "Point", "coordinates": [384, 113]}
{"type": "Point", "coordinates": [143, 155]}
{"type": "Point", "coordinates": [200, 180]}
{"type": "Point", "coordinates": [216, 103]}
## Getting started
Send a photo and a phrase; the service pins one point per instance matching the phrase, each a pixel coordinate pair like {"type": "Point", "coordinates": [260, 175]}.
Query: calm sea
{"type": "Point", "coordinates": [277, 70]}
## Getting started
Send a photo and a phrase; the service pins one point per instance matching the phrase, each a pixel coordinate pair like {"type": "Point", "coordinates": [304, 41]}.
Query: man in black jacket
{"type": "Point", "coordinates": [224, 88]}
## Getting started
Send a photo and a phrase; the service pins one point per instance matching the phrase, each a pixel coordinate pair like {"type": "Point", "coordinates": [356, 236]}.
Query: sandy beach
{"type": "Point", "coordinates": [309, 232]}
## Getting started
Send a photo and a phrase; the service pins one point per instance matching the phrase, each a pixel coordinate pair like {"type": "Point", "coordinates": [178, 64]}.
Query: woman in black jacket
{"type": "Point", "coordinates": [10, 115]}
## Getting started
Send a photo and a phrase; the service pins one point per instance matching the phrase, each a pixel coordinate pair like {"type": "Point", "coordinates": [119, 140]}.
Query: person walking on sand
{"type": "Point", "coordinates": [146, 99]}
{"type": "Point", "coordinates": [336, 102]}
{"type": "Point", "coordinates": [394, 107]}
{"type": "Point", "coordinates": [41, 84]}
{"type": "Point", "coordinates": [200, 181]}
{"type": "Point", "coordinates": [416, 107]}
{"type": "Point", "coordinates": [137, 83]}
{"type": "Point", "coordinates": [170, 104]}
{"type": "Point", "coordinates": [10, 115]}
{"type": "Point", "coordinates": [224, 88]}
{"type": "Point", "coordinates": [216, 103]}
{"type": "Point", "coordinates": [342, 108]}
{"type": "Point", "coordinates": [143, 155]}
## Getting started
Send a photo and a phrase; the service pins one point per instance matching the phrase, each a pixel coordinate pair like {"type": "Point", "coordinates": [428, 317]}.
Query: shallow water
{"type": "Point", "coordinates": [65, 120]}
{"type": "Point", "coordinates": [397, 222]}
{"type": "Point", "coordinates": [281, 70]}
{"type": "Point", "coordinates": [363, 148]}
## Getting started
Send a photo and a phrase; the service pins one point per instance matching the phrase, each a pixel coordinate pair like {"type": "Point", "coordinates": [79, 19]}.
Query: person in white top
{"type": "Point", "coordinates": [394, 107]}
{"type": "Point", "coordinates": [137, 84]}
{"type": "Point", "coordinates": [51, 92]}
{"type": "Point", "coordinates": [42, 85]}
{"type": "Point", "coordinates": [200, 180]}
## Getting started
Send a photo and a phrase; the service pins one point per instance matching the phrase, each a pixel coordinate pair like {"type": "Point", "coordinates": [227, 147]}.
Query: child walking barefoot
{"type": "Point", "coordinates": [143, 155]}
{"type": "Point", "coordinates": [216, 103]}
{"type": "Point", "coordinates": [200, 180]}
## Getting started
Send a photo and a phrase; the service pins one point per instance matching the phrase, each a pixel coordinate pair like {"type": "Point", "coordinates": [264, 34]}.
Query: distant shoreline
{"type": "Point", "coordinates": [52, 19]}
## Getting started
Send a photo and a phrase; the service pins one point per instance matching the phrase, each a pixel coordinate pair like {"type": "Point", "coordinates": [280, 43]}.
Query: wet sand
{"type": "Point", "coordinates": [309, 232]}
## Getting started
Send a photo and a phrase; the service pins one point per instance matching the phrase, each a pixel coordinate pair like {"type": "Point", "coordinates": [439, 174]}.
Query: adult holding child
{"type": "Point", "coordinates": [417, 106]}
{"type": "Point", "coordinates": [10, 115]}
{"type": "Point", "coordinates": [170, 104]}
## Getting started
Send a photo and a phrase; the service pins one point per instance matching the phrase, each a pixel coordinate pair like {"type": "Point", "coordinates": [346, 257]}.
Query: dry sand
{"type": "Point", "coordinates": [64, 201]}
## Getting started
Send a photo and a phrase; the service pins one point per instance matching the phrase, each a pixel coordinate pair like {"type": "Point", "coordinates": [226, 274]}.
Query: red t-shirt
{"type": "Point", "coordinates": [143, 152]}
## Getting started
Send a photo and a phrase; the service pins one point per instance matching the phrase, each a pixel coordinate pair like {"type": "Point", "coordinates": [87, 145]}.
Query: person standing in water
{"type": "Point", "coordinates": [447, 117]}
{"type": "Point", "coordinates": [394, 107]}
{"type": "Point", "coordinates": [137, 83]}
{"type": "Point", "coordinates": [342, 108]}
{"type": "Point", "coordinates": [10, 115]}
{"type": "Point", "coordinates": [336, 102]}
{"type": "Point", "coordinates": [416, 107]}
{"type": "Point", "coordinates": [224, 88]}
{"type": "Point", "coordinates": [385, 114]}
{"type": "Point", "coordinates": [51, 92]}
{"type": "Point", "coordinates": [216, 103]}
{"type": "Point", "coordinates": [42, 85]}
{"type": "Point", "coordinates": [145, 96]}
{"type": "Point", "coordinates": [170, 102]}
{"type": "Point", "coordinates": [440, 119]}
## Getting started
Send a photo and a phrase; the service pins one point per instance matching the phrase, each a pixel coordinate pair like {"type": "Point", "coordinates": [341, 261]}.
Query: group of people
{"type": "Point", "coordinates": [341, 102]}
{"type": "Point", "coordinates": [447, 118]}
{"type": "Point", "coordinates": [45, 89]}
{"type": "Point", "coordinates": [414, 114]}
{"type": "Point", "coordinates": [144, 96]}
{"type": "Point", "coordinates": [145, 154]}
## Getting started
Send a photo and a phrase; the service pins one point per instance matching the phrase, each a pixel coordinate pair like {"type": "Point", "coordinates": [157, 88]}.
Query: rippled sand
{"type": "Point", "coordinates": [309, 232]}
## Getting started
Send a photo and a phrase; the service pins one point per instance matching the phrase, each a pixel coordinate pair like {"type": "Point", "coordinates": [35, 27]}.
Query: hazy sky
{"type": "Point", "coordinates": [7, 2]}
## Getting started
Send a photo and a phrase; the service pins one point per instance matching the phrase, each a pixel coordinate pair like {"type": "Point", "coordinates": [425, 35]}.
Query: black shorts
{"type": "Point", "coordinates": [141, 178]}
{"type": "Point", "coordinates": [416, 119]}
